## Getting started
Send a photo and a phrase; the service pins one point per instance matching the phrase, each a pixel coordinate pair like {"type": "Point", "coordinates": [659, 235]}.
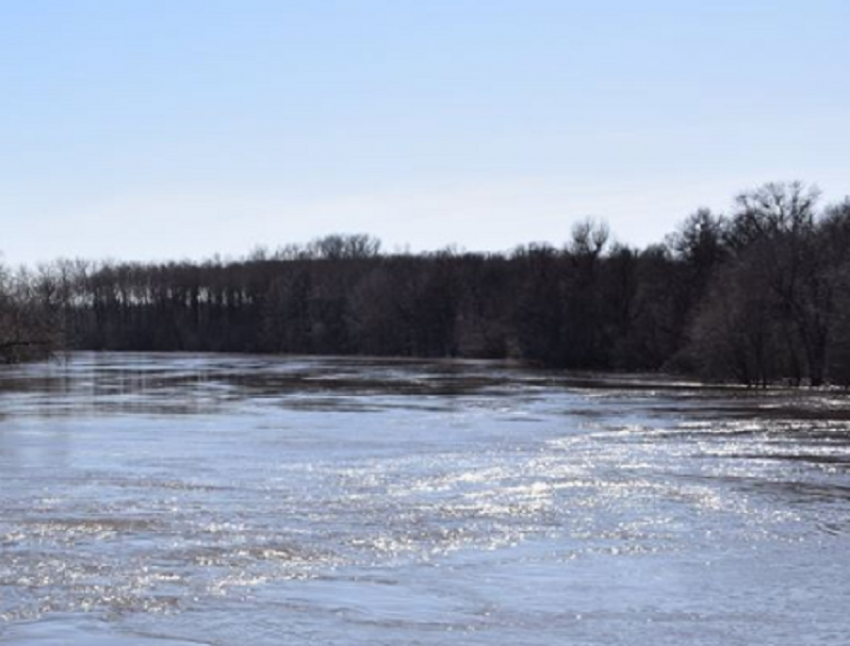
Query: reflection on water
{"type": "Point", "coordinates": [172, 499]}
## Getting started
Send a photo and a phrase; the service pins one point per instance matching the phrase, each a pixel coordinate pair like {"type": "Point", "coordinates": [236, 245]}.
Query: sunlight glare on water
{"type": "Point", "coordinates": [172, 499]}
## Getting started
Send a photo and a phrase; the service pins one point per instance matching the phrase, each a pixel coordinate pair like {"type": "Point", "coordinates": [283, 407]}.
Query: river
{"type": "Point", "coordinates": [164, 500]}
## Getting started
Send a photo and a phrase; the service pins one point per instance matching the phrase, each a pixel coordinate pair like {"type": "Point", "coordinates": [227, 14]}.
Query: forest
{"type": "Point", "coordinates": [758, 296]}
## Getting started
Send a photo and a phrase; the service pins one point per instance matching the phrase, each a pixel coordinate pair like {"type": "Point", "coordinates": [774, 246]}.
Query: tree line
{"type": "Point", "coordinates": [756, 296]}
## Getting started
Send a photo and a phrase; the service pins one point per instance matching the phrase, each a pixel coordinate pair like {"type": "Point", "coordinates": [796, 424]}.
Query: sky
{"type": "Point", "coordinates": [179, 129]}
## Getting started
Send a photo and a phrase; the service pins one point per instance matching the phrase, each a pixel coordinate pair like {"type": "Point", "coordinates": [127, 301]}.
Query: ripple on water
{"type": "Point", "coordinates": [344, 502]}
{"type": "Point", "coordinates": [75, 630]}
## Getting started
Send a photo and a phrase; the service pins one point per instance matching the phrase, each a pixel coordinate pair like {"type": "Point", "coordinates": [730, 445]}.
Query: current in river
{"type": "Point", "coordinates": [165, 500]}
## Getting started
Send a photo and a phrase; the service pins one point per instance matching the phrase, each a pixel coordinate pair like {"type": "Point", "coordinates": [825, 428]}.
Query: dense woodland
{"type": "Point", "coordinates": [757, 296]}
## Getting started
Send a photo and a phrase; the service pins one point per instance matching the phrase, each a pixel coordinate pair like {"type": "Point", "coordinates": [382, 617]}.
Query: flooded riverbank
{"type": "Point", "coordinates": [166, 499]}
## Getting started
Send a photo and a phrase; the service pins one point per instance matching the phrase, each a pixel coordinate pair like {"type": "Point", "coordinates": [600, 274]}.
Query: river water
{"type": "Point", "coordinates": [159, 500]}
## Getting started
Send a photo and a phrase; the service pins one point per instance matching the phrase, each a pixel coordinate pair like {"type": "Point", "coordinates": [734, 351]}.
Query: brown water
{"type": "Point", "coordinates": [185, 499]}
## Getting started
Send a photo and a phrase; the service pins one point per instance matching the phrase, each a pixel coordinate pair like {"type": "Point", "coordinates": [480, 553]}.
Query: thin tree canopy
{"type": "Point", "coordinates": [757, 295]}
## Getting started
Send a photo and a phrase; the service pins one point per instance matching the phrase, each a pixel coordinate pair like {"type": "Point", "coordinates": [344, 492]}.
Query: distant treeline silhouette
{"type": "Point", "coordinates": [758, 296]}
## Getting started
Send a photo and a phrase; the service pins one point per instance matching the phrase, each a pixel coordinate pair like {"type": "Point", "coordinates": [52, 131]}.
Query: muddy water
{"type": "Point", "coordinates": [184, 499]}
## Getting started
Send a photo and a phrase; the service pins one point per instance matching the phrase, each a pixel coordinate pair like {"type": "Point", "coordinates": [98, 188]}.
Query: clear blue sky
{"type": "Point", "coordinates": [141, 129]}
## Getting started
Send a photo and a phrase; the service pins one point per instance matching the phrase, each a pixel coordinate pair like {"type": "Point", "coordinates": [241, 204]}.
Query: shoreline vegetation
{"type": "Point", "coordinates": [756, 297]}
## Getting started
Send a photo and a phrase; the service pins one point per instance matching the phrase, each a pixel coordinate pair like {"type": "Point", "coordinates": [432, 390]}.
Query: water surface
{"type": "Point", "coordinates": [184, 499]}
